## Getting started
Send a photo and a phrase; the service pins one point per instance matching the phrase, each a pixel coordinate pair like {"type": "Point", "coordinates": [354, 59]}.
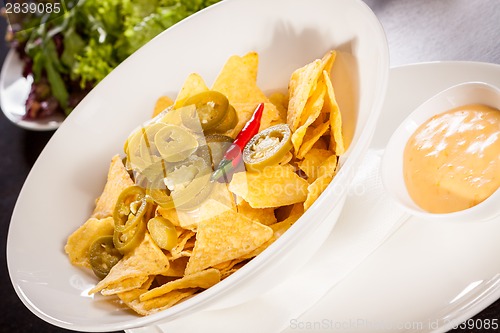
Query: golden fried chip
{"type": "Point", "coordinates": [315, 189]}
{"type": "Point", "coordinates": [203, 279]}
{"type": "Point", "coordinates": [280, 100]}
{"type": "Point", "coordinates": [312, 162]}
{"type": "Point", "coordinates": [238, 80]}
{"type": "Point", "coordinates": [311, 137]}
{"type": "Point", "coordinates": [279, 229]}
{"type": "Point", "coordinates": [262, 215]}
{"type": "Point", "coordinates": [225, 237]}
{"type": "Point", "coordinates": [131, 299]}
{"type": "Point", "coordinates": [161, 104]}
{"type": "Point", "coordinates": [273, 187]}
{"type": "Point", "coordinates": [337, 140]}
{"type": "Point", "coordinates": [179, 249]}
{"type": "Point", "coordinates": [118, 179]}
{"type": "Point", "coordinates": [194, 84]}
{"type": "Point", "coordinates": [302, 83]}
{"type": "Point", "coordinates": [177, 267]}
{"type": "Point", "coordinates": [124, 285]}
{"type": "Point", "coordinates": [78, 244]}
{"type": "Point", "coordinates": [145, 260]}
{"type": "Point", "coordinates": [311, 111]}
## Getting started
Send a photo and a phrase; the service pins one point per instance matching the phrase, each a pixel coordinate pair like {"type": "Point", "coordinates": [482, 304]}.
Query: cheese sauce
{"type": "Point", "coordinates": [452, 161]}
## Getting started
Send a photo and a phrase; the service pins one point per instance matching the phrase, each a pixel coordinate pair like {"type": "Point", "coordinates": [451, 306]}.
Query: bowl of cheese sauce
{"type": "Point", "coordinates": [443, 161]}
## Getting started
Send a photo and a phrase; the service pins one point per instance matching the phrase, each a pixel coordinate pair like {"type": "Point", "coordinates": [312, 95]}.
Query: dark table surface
{"type": "Point", "coordinates": [20, 148]}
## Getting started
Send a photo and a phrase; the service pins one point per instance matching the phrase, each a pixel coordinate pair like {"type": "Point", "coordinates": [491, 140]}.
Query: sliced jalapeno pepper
{"type": "Point", "coordinates": [130, 208]}
{"type": "Point", "coordinates": [163, 232]}
{"type": "Point", "coordinates": [267, 147]}
{"type": "Point", "coordinates": [175, 143]}
{"type": "Point", "coordinates": [129, 239]}
{"type": "Point", "coordinates": [211, 107]}
{"type": "Point", "coordinates": [103, 256]}
{"type": "Point", "coordinates": [228, 123]}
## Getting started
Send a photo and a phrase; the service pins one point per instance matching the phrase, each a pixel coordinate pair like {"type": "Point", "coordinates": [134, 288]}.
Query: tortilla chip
{"type": "Point", "coordinates": [312, 162]}
{"type": "Point", "coordinates": [118, 180]}
{"type": "Point", "coordinates": [261, 215]}
{"type": "Point", "coordinates": [161, 104]}
{"type": "Point", "coordinates": [225, 237]}
{"type": "Point", "coordinates": [131, 299]}
{"type": "Point", "coordinates": [337, 139]}
{"type": "Point", "coordinates": [78, 244]}
{"type": "Point", "coordinates": [193, 85]}
{"type": "Point", "coordinates": [315, 190]}
{"type": "Point", "coordinates": [312, 110]}
{"type": "Point", "coordinates": [273, 187]}
{"type": "Point", "coordinates": [203, 279]}
{"type": "Point", "coordinates": [311, 137]}
{"type": "Point", "coordinates": [177, 267]}
{"type": "Point", "coordinates": [238, 80]}
{"type": "Point", "coordinates": [145, 260]}
{"type": "Point", "coordinates": [302, 83]}
{"type": "Point", "coordinates": [280, 101]}
{"type": "Point", "coordinates": [279, 229]}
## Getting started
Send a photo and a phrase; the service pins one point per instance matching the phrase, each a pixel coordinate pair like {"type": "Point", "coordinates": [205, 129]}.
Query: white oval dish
{"type": "Point", "coordinates": [392, 161]}
{"type": "Point", "coordinates": [14, 90]}
{"type": "Point", "coordinates": [59, 192]}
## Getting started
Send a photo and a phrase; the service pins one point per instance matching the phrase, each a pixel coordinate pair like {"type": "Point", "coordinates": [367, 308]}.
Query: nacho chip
{"type": "Point", "coordinates": [311, 111]}
{"type": "Point", "coordinates": [131, 299]}
{"type": "Point", "coordinates": [279, 229]}
{"type": "Point", "coordinates": [312, 162]}
{"type": "Point", "coordinates": [124, 285]}
{"type": "Point", "coordinates": [78, 244]}
{"type": "Point", "coordinates": [262, 215]}
{"type": "Point", "coordinates": [203, 279]}
{"type": "Point", "coordinates": [280, 100]}
{"type": "Point", "coordinates": [194, 84]}
{"type": "Point", "coordinates": [302, 83]}
{"type": "Point", "coordinates": [145, 260]}
{"type": "Point", "coordinates": [315, 190]}
{"type": "Point", "coordinates": [118, 179]}
{"type": "Point", "coordinates": [311, 137]}
{"type": "Point", "coordinates": [273, 187]}
{"type": "Point", "coordinates": [238, 80]}
{"type": "Point", "coordinates": [337, 139]}
{"type": "Point", "coordinates": [177, 267]}
{"type": "Point", "coordinates": [225, 237]}
{"type": "Point", "coordinates": [162, 103]}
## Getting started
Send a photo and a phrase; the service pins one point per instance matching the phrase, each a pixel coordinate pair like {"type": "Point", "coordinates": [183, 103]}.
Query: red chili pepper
{"type": "Point", "coordinates": [233, 155]}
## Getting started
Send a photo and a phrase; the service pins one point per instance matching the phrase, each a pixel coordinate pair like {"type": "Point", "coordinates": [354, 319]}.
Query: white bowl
{"type": "Point", "coordinates": [392, 160]}
{"type": "Point", "coordinates": [59, 192]}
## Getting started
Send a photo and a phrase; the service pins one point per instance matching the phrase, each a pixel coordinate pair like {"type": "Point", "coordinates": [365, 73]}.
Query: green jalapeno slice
{"type": "Point", "coordinates": [211, 107]}
{"type": "Point", "coordinates": [103, 256]}
{"type": "Point", "coordinates": [174, 143]}
{"type": "Point", "coordinates": [268, 147]}
{"type": "Point", "coordinates": [130, 208]}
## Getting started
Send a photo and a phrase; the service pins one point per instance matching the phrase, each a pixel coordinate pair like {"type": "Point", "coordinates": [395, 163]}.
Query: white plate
{"type": "Point", "coordinates": [427, 277]}
{"type": "Point", "coordinates": [14, 90]}
{"type": "Point", "coordinates": [60, 191]}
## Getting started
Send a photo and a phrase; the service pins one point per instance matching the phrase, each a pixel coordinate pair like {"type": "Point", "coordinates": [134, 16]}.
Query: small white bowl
{"type": "Point", "coordinates": [392, 160]}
